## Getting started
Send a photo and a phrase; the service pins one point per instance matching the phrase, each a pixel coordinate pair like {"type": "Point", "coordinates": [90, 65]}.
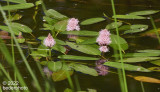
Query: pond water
{"type": "Point", "coordinates": [83, 9]}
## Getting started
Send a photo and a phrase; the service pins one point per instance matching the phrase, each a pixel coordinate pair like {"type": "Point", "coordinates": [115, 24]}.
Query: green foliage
{"type": "Point", "coordinates": [72, 57]}
{"type": "Point", "coordinates": [136, 28]}
{"type": "Point", "coordinates": [127, 66]}
{"type": "Point", "coordinates": [18, 6]}
{"type": "Point", "coordinates": [54, 14]}
{"type": "Point", "coordinates": [113, 25]}
{"type": "Point", "coordinates": [84, 69]}
{"type": "Point", "coordinates": [145, 12]}
{"type": "Point", "coordinates": [61, 25]}
{"type": "Point", "coordinates": [81, 33]}
{"type": "Point", "coordinates": [128, 17]}
{"type": "Point", "coordinates": [54, 66]}
{"type": "Point", "coordinates": [92, 21]}
{"type": "Point", "coordinates": [16, 1]}
{"type": "Point", "coordinates": [122, 42]}
{"type": "Point", "coordinates": [61, 75]}
{"type": "Point", "coordinates": [88, 49]}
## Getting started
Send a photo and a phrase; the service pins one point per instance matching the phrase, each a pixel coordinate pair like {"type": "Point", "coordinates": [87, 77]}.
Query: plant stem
{"type": "Point", "coordinates": [142, 86]}
{"type": "Point", "coordinates": [120, 52]}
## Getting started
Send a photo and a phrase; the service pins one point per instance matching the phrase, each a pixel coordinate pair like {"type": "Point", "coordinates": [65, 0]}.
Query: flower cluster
{"type": "Point", "coordinates": [103, 40]}
{"type": "Point", "coordinates": [49, 41]}
{"type": "Point", "coordinates": [101, 69]}
{"type": "Point", "coordinates": [73, 24]}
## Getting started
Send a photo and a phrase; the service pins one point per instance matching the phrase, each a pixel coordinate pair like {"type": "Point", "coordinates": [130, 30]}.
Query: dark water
{"type": "Point", "coordinates": [83, 9]}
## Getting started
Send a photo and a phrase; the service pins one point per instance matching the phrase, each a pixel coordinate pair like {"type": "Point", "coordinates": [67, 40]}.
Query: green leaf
{"type": "Point", "coordinates": [88, 49]}
{"type": "Point", "coordinates": [113, 25]}
{"type": "Point", "coordinates": [127, 66]}
{"type": "Point", "coordinates": [114, 43]}
{"type": "Point", "coordinates": [124, 27]}
{"type": "Point", "coordinates": [61, 75]}
{"type": "Point", "coordinates": [149, 51]}
{"type": "Point", "coordinates": [54, 66]}
{"type": "Point", "coordinates": [138, 54]}
{"type": "Point", "coordinates": [21, 27]}
{"type": "Point", "coordinates": [81, 33]}
{"type": "Point", "coordinates": [18, 6]}
{"type": "Point", "coordinates": [145, 12]}
{"type": "Point", "coordinates": [154, 69]}
{"type": "Point", "coordinates": [137, 28]}
{"type": "Point", "coordinates": [15, 17]}
{"type": "Point", "coordinates": [84, 69]}
{"type": "Point", "coordinates": [89, 41]}
{"type": "Point", "coordinates": [5, 28]}
{"type": "Point", "coordinates": [44, 62]}
{"type": "Point", "coordinates": [156, 62]}
{"type": "Point", "coordinates": [21, 40]}
{"type": "Point", "coordinates": [16, 1]}
{"type": "Point", "coordinates": [139, 59]}
{"type": "Point", "coordinates": [59, 48]}
{"type": "Point", "coordinates": [92, 21]}
{"type": "Point", "coordinates": [54, 14]}
{"type": "Point", "coordinates": [60, 42]}
{"type": "Point", "coordinates": [61, 25]}
{"type": "Point", "coordinates": [68, 90]}
{"type": "Point", "coordinates": [128, 17]}
{"type": "Point", "coordinates": [72, 57]}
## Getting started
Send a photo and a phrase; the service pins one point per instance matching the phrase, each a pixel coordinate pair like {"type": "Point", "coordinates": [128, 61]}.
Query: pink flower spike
{"type": "Point", "coordinates": [104, 49]}
{"type": "Point", "coordinates": [104, 37]}
{"type": "Point", "coordinates": [49, 41]}
{"type": "Point", "coordinates": [73, 24]}
{"type": "Point", "coordinates": [20, 35]}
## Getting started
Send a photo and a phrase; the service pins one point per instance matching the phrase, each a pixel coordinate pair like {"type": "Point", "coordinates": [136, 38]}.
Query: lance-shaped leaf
{"type": "Point", "coordinates": [146, 79]}
{"type": "Point", "coordinates": [21, 27]}
{"type": "Point", "coordinates": [113, 25]}
{"type": "Point", "coordinates": [72, 57]}
{"type": "Point", "coordinates": [59, 48]}
{"type": "Point", "coordinates": [84, 69]}
{"type": "Point", "coordinates": [61, 25]}
{"type": "Point", "coordinates": [81, 33]}
{"type": "Point", "coordinates": [92, 21]}
{"type": "Point", "coordinates": [139, 59]}
{"type": "Point", "coordinates": [88, 49]}
{"type": "Point", "coordinates": [54, 66]}
{"type": "Point", "coordinates": [61, 75]}
{"type": "Point", "coordinates": [5, 28]}
{"type": "Point", "coordinates": [145, 12]}
{"type": "Point", "coordinates": [128, 17]}
{"type": "Point", "coordinates": [18, 6]}
{"type": "Point", "coordinates": [54, 14]}
{"type": "Point", "coordinates": [127, 66]}
{"type": "Point", "coordinates": [16, 1]}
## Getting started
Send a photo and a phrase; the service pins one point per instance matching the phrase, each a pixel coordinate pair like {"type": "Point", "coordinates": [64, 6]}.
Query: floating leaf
{"type": "Point", "coordinates": [81, 33]}
{"type": "Point", "coordinates": [113, 25]}
{"type": "Point", "coordinates": [18, 6]}
{"type": "Point", "coordinates": [137, 28]}
{"type": "Point", "coordinates": [92, 21]}
{"type": "Point", "coordinates": [154, 69]}
{"type": "Point", "coordinates": [151, 54]}
{"type": "Point", "coordinates": [139, 59]}
{"type": "Point", "coordinates": [89, 41]}
{"type": "Point", "coordinates": [128, 17]}
{"type": "Point", "coordinates": [156, 62]}
{"type": "Point", "coordinates": [54, 14]}
{"type": "Point", "coordinates": [61, 75]}
{"type": "Point", "coordinates": [61, 25]}
{"type": "Point", "coordinates": [5, 28]}
{"type": "Point", "coordinates": [21, 27]}
{"type": "Point", "coordinates": [72, 57]}
{"type": "Point", "coordinates": [59, 48]}
{"type": "Point", "coordinates": [16, 1]}
{"type": "Point", "coordinates": [114, 43]}
{"type": "Point", "coordinates": [15, 17]}
{"type": "Point", "coordinates": [84, 69]}
{"type": "Point", "coordinates": [124, 27]}
{"type": "Point", "coordinates": [126, 66]}
{"type": "Point", "coordinates": [54, 66]}
{"type": "Point", "coordinates": [88, 49]}
{"type": "Point", "coordinates": [146, 79]}
{"type": "Point", "coordinates": [68, 90]}
{"type": "Point", "coordinates": [145, 12]}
